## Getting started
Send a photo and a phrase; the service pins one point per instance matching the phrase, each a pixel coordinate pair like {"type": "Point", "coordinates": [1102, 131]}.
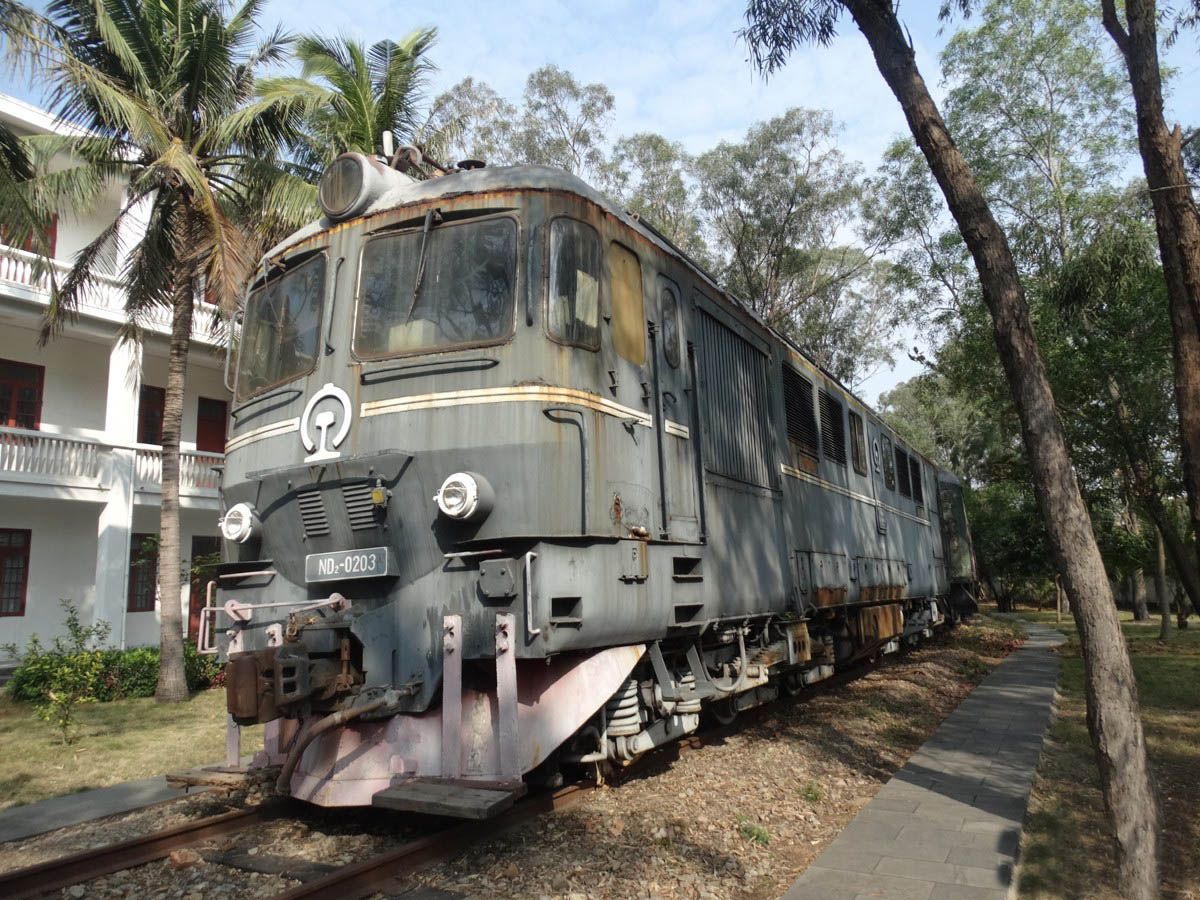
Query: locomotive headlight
{"type": "Point", "coordinates": [240, 523]}
{"type": "Point", "coordinates": [465, 496]}
{"type": "Point", "coordinates": [352, 182]}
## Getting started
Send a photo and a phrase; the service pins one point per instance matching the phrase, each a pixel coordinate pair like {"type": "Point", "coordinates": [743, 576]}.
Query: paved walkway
{"type": "Point", "coordinates": [59, 812]}
{"type": "Point", "coordinates": [947, 825]}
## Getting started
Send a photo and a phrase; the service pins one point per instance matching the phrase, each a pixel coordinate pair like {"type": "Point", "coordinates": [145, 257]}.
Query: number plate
{"type": "Point", "coordinates": [374, 562]}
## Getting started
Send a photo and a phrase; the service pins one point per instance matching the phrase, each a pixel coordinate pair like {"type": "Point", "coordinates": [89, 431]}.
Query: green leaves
{"type": "Point", "coordinates": [348, 94]}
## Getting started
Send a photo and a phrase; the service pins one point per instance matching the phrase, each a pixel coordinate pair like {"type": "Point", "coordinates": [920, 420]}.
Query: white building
{"type": "Point", "coordinates": [80, 465]}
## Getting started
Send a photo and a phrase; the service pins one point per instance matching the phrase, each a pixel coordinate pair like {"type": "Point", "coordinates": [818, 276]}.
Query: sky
{"type": "Point", "coordinates": [675, 68]}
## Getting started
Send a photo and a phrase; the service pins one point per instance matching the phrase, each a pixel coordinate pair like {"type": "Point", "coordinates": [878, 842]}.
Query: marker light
{"type": "Point", "coordinates": [240, 523]}
{"type": "Point", "coordinates": [465, 496]}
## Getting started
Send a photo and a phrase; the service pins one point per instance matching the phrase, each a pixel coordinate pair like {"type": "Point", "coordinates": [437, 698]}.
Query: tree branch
{"type": "Point", "coordinates": [1113, 26]}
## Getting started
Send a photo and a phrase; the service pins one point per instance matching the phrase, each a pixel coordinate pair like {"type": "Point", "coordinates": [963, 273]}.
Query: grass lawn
{"type": "Point", "coordinates": [119, 741]}
{"type": "Point", "coordinates": [1067, 845]}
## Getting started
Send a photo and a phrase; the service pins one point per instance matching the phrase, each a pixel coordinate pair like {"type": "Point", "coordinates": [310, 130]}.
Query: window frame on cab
{"type": "Point", "coordinates": [411, 225]}
{"type": "Point", "coordinates": [549, 276]}
{"type": "Point", "coordinates": [289, 264]}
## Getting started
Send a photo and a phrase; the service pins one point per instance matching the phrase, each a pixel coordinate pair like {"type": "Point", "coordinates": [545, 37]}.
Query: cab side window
{"type": "Point", "coordinates": [628, 310]}
{"type": "Point", "coordinates": [889, 463]}
{"type": "Point", "coordinates": [573, 314]}
{"type": "Point", "coordinates": [669, 297]}
{"type": "Point", "coordinates": [858, 444]}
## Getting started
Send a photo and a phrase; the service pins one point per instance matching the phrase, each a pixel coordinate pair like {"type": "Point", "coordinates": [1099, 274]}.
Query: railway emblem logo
{"type": "Point", "coordinates": [336, 413]}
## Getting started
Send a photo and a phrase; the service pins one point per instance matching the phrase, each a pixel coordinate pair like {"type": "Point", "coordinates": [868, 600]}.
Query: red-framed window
{"type": "Point", "coordinates": [14, 570]}
{"type": "Point", "coordinates": [27, 244]}
{"type": "Point", "coordinates": [21, 394]}
{"type": "Point", "coordinates": [143, 572]}
{"type": "Point", "coordinates": [211, 416]}
{"type": "Point", "coordinates": [151, 403]}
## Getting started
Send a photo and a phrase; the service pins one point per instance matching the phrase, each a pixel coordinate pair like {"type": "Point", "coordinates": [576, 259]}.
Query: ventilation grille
{"type": "Point", "coordinates": [736, 390]}
{"type": "Point", "coordinates": [801, 418]}
{"type": "Point", "coordinates": [833, 430]}
{"type": "Point", "coordinates": [312, 512]}
{"type": "Point", "coordinates": [359, 508]}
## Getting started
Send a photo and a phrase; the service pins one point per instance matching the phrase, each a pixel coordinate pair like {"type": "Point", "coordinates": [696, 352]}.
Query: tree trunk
{"type": "Point", "coordinates": [1176, 219]}
{"type": "Point", "coordinates": [172, 681]}
{"type": "Point", "coordinates": [1112, 701]}
{"type": "Point", "coordinates": [1160, 585]}
{"type": "Point", "coordinates": [1137, 596]}
{"type": "Point", "coordinates": [1189, 576]}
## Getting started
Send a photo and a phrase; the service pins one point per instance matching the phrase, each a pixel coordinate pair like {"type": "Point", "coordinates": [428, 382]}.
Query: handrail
{"type": "Point", "coordinates": [27, 452]}
{"type": "Point", "coordinates": [105, 295]}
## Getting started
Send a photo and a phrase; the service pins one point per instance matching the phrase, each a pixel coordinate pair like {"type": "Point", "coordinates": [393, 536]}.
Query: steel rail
{"type": "Point", "coordinates": [55, 874]}
{"type": "Point", "coordinates": [378, 873]}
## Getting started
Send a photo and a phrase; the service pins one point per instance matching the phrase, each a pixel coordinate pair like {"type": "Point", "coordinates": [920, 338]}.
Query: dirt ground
{"type": "Point", "coordinates": [1067, 849]}
{"type": "Point", "coordinates": [743, 816]}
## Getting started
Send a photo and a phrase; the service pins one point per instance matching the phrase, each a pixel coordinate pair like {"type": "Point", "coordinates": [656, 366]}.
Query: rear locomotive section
{"type": "Point", "coordinates": [512, 485]}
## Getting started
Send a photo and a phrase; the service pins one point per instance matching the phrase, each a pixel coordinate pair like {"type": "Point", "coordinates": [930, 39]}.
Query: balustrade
{"type": "Point", "coordinates": [56, 458]}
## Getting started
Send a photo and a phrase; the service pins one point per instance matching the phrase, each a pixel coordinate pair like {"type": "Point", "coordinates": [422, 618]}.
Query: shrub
{"type": "Point", "coordinates": [72, 671]}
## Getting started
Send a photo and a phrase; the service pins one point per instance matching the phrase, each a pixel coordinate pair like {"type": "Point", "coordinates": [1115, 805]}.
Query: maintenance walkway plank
{"type": "Point", "coordinates": [947, 825]}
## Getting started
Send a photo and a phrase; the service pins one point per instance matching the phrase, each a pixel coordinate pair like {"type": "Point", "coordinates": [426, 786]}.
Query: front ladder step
{"type": "Point", "coordinates": [463, 798]}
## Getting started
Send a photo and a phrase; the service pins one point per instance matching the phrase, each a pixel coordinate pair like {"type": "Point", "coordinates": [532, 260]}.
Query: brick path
{"type": "Point", "coordinates": [947, 825]}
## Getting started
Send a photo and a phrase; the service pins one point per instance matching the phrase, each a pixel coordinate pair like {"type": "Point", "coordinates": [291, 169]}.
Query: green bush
{"type": "Point", "coordinates": [74, 671]}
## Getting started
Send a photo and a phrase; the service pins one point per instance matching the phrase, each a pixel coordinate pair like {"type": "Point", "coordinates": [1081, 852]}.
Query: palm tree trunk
{"type": "Point", "coordinates": [1177, 221]}
{"type": "Point", "coordinates": [1112, 701]}
{"type": "Point", "coordinates": [172, 682]}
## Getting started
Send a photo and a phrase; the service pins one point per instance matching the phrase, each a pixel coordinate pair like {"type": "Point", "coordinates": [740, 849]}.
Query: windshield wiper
{"type": "Point", "coordinates": [432, 217]}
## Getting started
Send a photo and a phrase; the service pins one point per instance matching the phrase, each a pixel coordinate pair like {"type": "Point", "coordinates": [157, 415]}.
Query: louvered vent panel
{"type": "Point", "coordinates": [736, 397]}
{"type": "Point", "coordinates": [359, 507]}
{"type": "Point", "coordinates": [902, 473]}
{"type": "Point", "coordinates": [833, 429]}
{"type": "Point", "coordinates": [801, 418]}
{"type": "Point", "coordinates": [312, 512]}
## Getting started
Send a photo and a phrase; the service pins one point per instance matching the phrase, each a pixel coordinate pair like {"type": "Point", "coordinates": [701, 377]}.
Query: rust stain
{"type": "Point", "coordinates": [825, 597]}
{"type": "Point", "coordinates": [616, 509]}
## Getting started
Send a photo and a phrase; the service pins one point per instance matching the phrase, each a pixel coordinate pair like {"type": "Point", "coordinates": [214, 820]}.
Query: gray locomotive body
{"type": "Point", "coordinates": [511, 482]}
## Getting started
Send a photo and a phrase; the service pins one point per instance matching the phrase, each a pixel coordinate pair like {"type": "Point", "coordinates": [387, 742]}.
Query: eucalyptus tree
{"type": "Point", "coordinates": [1038, 109]}
{"type": "Point", "coordinates": [775, 28]}
{"type": "Point", "coordinates": [471, 121]}
{"type": "Point", "coordinates": [782, 209]}
{"type": "Point", "coordinates": [161, 92]}
{"type": "Point", "coordinates": [1175, 213]}
{"type": "Point", "coordinates": [560, 122]}
{"type": "Point", "coordinates": [650, 176]}
{"type": "Point", "coordinates": [348, 94]}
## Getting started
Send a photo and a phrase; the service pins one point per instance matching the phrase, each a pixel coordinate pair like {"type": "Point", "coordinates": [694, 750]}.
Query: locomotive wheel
{"type": "Point", "coordinates": [723, 711]}
{"type": "Point", "coordinates": [793, 685]}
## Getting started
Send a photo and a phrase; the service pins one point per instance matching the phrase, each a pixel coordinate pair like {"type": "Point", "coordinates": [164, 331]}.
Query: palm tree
{"type": "Point", "coordinates": [162, 92]}
{"type": "Point", "coordinates": [349, 95]}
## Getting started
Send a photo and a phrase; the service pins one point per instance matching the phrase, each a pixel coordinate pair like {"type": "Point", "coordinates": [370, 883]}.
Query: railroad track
{"type": "Point", "coordinates": [376, 873]}
{"type": "Point", "coordinates": [34, 881]}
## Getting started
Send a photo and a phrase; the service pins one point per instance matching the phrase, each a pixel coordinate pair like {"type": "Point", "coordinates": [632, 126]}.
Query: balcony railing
{"type": "Point", "coordinates": [54, 459]}
{"type": "Point", "coordinates": [195, 470]}
{"type": "Point", "coordinates": [104, 299]}
{"type": "Point", "coordinates": [53, 455]}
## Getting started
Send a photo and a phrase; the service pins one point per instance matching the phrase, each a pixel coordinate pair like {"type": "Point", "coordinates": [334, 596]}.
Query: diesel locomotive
{"type": "Point", "coordinates": [512, 484]}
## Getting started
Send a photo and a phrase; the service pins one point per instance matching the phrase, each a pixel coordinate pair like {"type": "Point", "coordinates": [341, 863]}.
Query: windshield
{"type": "Point", "coordinates": [464, 294]}
{"type": "Point", "coordinates": [282, 325]}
